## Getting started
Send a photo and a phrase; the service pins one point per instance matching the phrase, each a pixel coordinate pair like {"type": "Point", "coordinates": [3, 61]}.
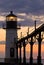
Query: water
{"type": "Point", "coordinates": [35, 60]}
{"type": "Point", "coordinates": [42, 61]}
{"type": "Point", "coordinates": [1, 59]}
{"type": "Point", "coordinates": [27, 60]}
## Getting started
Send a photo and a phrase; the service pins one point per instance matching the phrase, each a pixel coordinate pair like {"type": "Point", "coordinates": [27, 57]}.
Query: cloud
{"type": "Point", "coordinates": [28, 19]}
{"type": "Point", "coordinates": [21, 14]}
{"type": "Point", "coordinates": [24, 19]}
{"type": "Point", "coordinates": [19, 19]}
{"type": "Point", "coordinates": [27, 6]}
{"type": "Point", "coordinates": [27, 10]}
{"type": "Point", "coordinates": [2, 18]}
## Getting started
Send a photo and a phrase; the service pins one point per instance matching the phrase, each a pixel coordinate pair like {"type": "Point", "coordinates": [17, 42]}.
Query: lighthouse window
{"type": "Point", "coordinates": [11, 18]}
{"type": "Point", "coordinates": [11, 52]}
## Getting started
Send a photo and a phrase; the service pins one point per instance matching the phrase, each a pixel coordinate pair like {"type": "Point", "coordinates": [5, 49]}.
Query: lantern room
{"type": "Point", "coordinates": [11, 21]}
{"type": "Point", "coordinates": [11, 17]}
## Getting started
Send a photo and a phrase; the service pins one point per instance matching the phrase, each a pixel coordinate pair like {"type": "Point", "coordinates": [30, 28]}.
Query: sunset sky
{"type": "Point", "coordinates": [27, 12]}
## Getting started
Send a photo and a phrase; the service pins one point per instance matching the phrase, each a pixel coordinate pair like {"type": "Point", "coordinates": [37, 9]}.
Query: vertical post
{"type": "Point", "coordinates": [20, 53]}
{"type": "Point", "coordinates": [39, 49]}
{"type": "Point", "coordinates": [21, 35]}
{"type": "Point", "coordinates": [28, 31]}
{"type": "Point", "coordinates": [35, 29]}
{"type": "Point", "coordinates": [31, 58]}
{"type": "Point", "coordinates": [35, 25]}
{"type": "Point", "coordinates": [24, 58]}
{"type": "Point", "coordinates": [31, 51]}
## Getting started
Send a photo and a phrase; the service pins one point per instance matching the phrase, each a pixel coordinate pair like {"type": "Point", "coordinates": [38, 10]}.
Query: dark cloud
{"type": "Point", "coordinates": [29, 23]}
{"type": "Point", "coordinates": [35, 7]}
{"type": "Point", "coordinates": [28, 6]}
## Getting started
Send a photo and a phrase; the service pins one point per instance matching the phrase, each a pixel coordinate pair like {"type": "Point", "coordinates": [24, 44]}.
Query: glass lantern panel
{"type": "Point", "coordinates": [11, 18]}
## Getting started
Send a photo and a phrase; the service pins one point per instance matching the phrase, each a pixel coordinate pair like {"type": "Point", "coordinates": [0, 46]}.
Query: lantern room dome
{"type": "Point", "coordinates": [11, 14]}
{"type": "Point", "coordinates": [11, 17]}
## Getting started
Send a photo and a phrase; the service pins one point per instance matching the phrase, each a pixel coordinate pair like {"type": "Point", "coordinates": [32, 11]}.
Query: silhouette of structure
{"type": "Point", "coordinates": [36, 34]}
{"type": "Point", "coordinates": [11, 38]}
{"type": "Point", "coordinates": [14, 43]}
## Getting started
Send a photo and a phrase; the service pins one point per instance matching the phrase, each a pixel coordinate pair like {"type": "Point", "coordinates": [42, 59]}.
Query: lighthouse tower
{"type": "Point", "coordinates": [11, 37]}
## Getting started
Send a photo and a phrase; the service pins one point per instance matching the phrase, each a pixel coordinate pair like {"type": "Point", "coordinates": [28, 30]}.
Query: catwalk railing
{"type": "Point", "coordinates": [31, 38]}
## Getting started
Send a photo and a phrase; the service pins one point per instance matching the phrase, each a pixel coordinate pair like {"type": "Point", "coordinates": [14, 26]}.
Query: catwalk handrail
{"type": "Point", "coordinates": [40, 28]}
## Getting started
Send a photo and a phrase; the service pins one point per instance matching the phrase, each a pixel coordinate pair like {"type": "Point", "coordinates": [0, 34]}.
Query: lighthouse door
{"type": "Point", "coordinates": [11, 52]}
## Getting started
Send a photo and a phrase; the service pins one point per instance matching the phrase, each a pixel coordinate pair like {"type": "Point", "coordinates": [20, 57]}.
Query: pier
{"type": "Point", "coordinates": [31, 38]}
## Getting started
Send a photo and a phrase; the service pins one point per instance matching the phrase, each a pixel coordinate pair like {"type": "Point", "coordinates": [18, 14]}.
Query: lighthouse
{"type": "Point", "coordinates": [11, 38]}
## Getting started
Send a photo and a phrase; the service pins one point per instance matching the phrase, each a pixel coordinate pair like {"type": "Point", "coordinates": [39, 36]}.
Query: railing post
{"type": "Point", "coordinates": [24, 56]}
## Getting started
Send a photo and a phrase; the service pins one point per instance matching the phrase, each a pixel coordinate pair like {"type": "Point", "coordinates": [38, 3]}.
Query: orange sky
{"type": "Point", "coordinates": [35, 51]}
{"type": "Point", "coordinates": [2, 50]}
{"type": "Point", "coordinates": [2, 34]}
